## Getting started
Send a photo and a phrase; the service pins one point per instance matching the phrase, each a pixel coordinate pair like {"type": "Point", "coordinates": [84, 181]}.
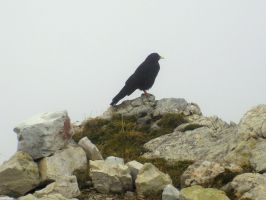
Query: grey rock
{"type": "Point", "coordinates": [150, 180]}
{"type": "Point", "coordinates": [106, 177]}
{"type": "Point", "coordinates": [114, 160]}
{"type": "Point", "coordinates": [201, 173]}
{"type": "Point", "coordinates": [170, 193]}
{"type": "Point", "coordinates": [253, 123]}
{"type": "Point", "coordinates": [250, 186]}
{"type": "Point", "coordinates": [173, 105]}
{"type": "Point", "coordinates": [134, 168]}
{"type": "Point", "coordinates": [44, 134]}
{"type": "Point", "coordinates": [91, 150]}
{"type": "Point", "coordinates": [140, 106]}
{"type": "Point", "coordinates": [18, 175]}
{"type": "Point", "coordinates": [66, 185]}
{"type": "Point", "coordinates": [47, 197]}
{"type": "Point", "coordinates": [63, 163]}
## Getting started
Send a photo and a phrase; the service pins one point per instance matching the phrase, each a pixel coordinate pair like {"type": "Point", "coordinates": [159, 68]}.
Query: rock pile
{"type": "Point", "coordinates": [192, 157]}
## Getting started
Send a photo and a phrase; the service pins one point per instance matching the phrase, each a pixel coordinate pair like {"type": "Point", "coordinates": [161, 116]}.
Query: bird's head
{"type": "Point", "coordinates": [154, 57]}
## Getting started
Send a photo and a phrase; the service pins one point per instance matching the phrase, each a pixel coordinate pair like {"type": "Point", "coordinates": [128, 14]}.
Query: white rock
{"type": "Point", "coordinates": [63, 163]}
{"type": "Point", "coordinates": [150, 180]}
{"type": "Point", "coordinates": [6, 198]}
{"type": "Point", "coordinates": [108, 177]}
{"type": "Point", "coordinates": [114, 160]}
{"type": "Point", "coordinates": [170, 193]}
{"type": "Point", "coordinates": [91, 150]}
{"type": "Point", "coordinates": [44, 134]}
{"type": "Point", "coordinates": [67, 186]}
{"type": "Point", "coordinates": [134, 168]}
{"type": "Point", "coordinates": [18, 175]}
{"type": "Point", "coordinates": [47, 197]}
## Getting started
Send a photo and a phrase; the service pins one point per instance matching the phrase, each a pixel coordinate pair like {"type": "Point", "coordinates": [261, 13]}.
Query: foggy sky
{"type": "Point", "coordinates": [76, 55]}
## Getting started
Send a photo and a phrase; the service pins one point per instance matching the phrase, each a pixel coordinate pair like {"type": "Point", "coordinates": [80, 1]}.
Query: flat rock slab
{"type": "Point", "coordinates": [44, 134]}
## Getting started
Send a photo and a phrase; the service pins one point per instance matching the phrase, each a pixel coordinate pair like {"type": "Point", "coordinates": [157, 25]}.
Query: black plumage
{"type": "Point", "coordinates": [142, 79]}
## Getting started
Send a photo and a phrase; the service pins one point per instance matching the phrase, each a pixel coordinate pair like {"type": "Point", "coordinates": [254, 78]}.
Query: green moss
{"type": "Point", "coordinates": [171, 120]}
{"type": "Point", "coordinates": [191, 127]}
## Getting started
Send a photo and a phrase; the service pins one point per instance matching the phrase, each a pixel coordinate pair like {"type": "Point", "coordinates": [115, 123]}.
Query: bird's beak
{"type": "Point", "coordinates": [161, 57]}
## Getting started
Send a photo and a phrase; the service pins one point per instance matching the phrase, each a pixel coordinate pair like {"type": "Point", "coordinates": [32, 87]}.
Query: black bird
{"type": "Point", "coordinates": [143, 78]}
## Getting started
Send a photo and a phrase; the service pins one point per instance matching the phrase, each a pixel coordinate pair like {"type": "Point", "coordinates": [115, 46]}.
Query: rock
{"type": "Point", "coordinates": [258, 156]}
{"type": "Point", "coordinates": [47, 197]}
{"type": "Point", "coordinates": [44, 134]}
{"type": "Point", "coordinates": [197, 192]}
{"type": "Point", "coordinates": [67, 186]}
{"type": "Point", "coordinates": [252, 124]}
{"type": "Point", "coordinates": [199, 144]}
{"type": "Point", "coordinates": [150, 180]}
{"type": "Point", "coordinates": [137, 107]}
{"type": "Point", "coordinates": [18, 175]}
{"type": "Point", "coordinates": [106, 177]}
{"type": "Point", "coordinates": [173, 105]}
{"type": "Point", "coordinates": [6, 198]}
{"type": "Point", "coordinates": [251, 186]}
{"type": "Point", "coordinates": [63, 163]}
{"type": "Point", "coordinates": [170, 193]}
{"type": "Point", "coordinates": [201, 173]}
{"type": "Point", "coordinates": [114, 160]}
{"type": "Point", "coordinates": [134, 168]}
{"type": "Point", "coordinates": [91, 150]}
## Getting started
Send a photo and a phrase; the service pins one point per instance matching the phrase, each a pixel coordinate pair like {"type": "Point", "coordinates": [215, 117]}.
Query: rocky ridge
{"type": "Point", "coordinates": [141, 149]}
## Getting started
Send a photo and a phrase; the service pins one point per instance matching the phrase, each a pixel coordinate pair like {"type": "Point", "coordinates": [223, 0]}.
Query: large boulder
{"type": "Point", "coordinates": [91, 150]}
{"type": "Point", "coordinates": [110, 177]}
{"type": "Point", "coordinates": [63, 163]}
{"type": "Point", "coordinates": [44, 134]}
{"type": "Point", "coordinates": [18, 175]}
{"type": "Point", "coordinates": [203, 143]}
{"type": "Point", "coordinates": [197, 192]}
{"type": "Point", "coordinates": [6, 198]}
{"type": "Point", "coordinates": [251, 186]}
{"type": "Point", "coordinates": [151, 180]}
{"type": "Point", "coordinates": [66, 185]}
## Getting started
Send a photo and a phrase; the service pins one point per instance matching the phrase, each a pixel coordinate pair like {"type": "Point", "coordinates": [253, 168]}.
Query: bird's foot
{"type": "Point", "coordinates": [146, 93]}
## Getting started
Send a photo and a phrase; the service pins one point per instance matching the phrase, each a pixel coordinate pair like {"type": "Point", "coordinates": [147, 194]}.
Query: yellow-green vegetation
{"type": "Point", "coordinates": [124, 137]}
{"type": "Point", "coordinates": [191, 127]}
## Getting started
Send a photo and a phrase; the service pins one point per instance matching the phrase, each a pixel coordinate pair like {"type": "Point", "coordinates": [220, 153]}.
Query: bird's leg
{"type": "Point", "coordinates": [146, 93]}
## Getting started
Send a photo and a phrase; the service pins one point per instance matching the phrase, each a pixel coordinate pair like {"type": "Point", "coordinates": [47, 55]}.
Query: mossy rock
{"type": "Point", "coordinates": [197, 192]}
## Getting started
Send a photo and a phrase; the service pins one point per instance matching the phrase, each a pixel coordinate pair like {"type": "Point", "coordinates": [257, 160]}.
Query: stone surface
{"type": "Point", "coordinates": [140, 106]}
{"type": "Point", "coordinates": [67, 186]}
{"type": "Point", "coordinates": [43, 134]}
{"type": "Point", "coordinates": [199, 193]}
{"type": "Point", "coordinates": [250, 186]}
{"type": "Point", "coordinates": [201, 173]}
{"type": "Point", "coordinates": [91, 150]}
{"type": "Point", "coordinates": [170, 193]}
{"type": "Point", "coordinates": [63, 163]}
{"type": "Point", "coordinates": [6, 198]}
{"type": "Point", "coordinates": [18, 175]}
{"type": "Point", "coordinates": [106, 177]}
{"type": "Point", "coordinates": [174, 105]}
{"type": "Point", "coordinates": [114, 160]}
{"type": "Point", "coordinates": [253, 123]}
{"type": "Point", "coordinates": [150, 180]}
{"type": "Point", "coordinates": [199, 144]}
{"type": "Point", "coordinates": [134, 167]}
{"type": "Point", "coordinates": [47, 197]}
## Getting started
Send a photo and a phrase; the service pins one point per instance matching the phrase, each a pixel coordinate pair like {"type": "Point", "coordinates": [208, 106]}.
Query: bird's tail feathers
{"type": "Point", "coordinates": [123, 92]}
